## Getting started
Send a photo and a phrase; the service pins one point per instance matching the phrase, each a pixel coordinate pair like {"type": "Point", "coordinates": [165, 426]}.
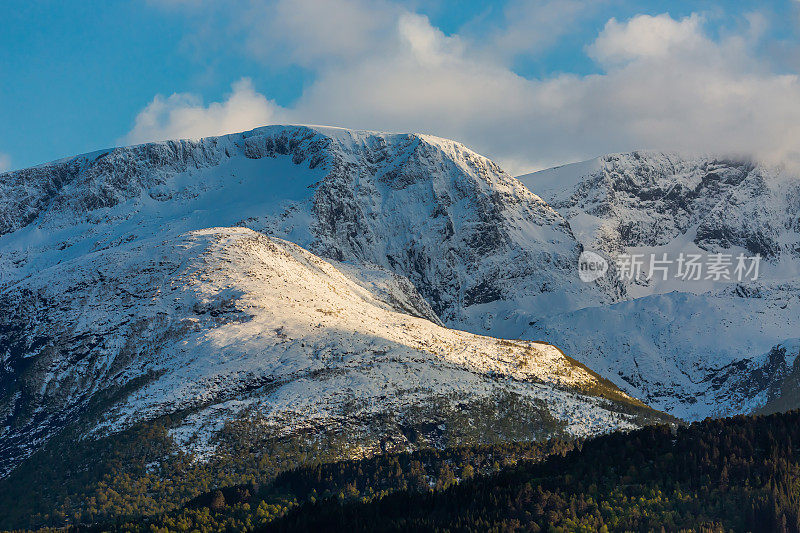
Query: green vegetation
{"type": "Point", "coordinates": [250, 507]}
{"type": "Point", "coordinates": [738, 474]}
{"type": "Point", "coordinates": [143, 472]}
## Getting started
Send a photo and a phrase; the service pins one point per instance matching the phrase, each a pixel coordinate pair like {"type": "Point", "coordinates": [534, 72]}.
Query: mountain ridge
{"type": "Point", "coordinates": [422, 225]}
{"type": "Point", "coordinates": [650, 202]}
{"type": "Point", "coordinates": [94, 259]}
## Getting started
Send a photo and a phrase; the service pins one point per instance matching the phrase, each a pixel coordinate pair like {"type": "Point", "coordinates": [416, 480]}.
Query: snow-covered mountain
{"type": "Point", "coordinates": [150, 280]}
{"type": "Point", "coordinates": [462, 230]}
{"type": "Point", "coordinates": [307, 274]}
{"type": "Point", "coordinates": [692, 348]}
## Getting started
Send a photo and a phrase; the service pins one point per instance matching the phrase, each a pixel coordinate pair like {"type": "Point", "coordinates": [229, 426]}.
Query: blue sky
{"type": "Point", "coordinates": [530, 83]}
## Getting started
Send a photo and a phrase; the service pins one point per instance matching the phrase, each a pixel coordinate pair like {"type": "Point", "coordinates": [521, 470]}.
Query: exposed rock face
{"type": "Point", "coordinates": [482, 249]}
{"type": "Point", "coordinates": [692, 348]}
{"type": "Point", "coordinates": [651, 198]}
{"type": "Point", "coordinates": [462, 230]}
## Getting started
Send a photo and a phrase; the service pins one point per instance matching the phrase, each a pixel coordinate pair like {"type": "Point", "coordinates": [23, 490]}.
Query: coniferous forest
{"type": "Point", "coordinates": [735, 474]}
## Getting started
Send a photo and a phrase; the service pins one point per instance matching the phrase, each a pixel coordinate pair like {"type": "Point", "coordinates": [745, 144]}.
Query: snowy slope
{"type": "Point", "coordinates": [134, 285]}
{"type": "Point", "coordinates": [484, 251]}
{"type": "Point", "coordinates": [654, 199]}
{"type": "Point", "coordinates": [684, 346]}
{"type": "Point", "coordinates": [223, 320]}
{"type": "Point", "coordinates": [160, 278]}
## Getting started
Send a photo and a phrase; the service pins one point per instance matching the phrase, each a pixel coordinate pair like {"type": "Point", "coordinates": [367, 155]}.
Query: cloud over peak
{"type": "Point", "coordinates": [663, 83]}
{"type": "Point", "coordinates": [183, 115]}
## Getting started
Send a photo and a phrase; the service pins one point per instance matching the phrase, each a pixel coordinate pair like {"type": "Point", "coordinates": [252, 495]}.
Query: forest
{"type": "Point", "coordinates": [735, 474]}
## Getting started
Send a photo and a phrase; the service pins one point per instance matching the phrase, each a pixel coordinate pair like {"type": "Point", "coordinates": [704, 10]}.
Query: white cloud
{"type": "Point", "coordinates": [666, 84]}
{"type": "Point", "coordinates": [183, 115]}
{"type": "Point", "coordinates": [429, 46]}
{"type": "Point", "coordinates": [645, 36]}
{"type": "Point", "coordinates": [5, 162]}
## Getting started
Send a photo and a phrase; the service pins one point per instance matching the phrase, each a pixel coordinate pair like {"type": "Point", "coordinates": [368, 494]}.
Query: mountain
{"type": "Point", "coordinates": [292, 278]}
{"type": "Point", "coordinates": [692, 348]}
{"type": "Point", "coordinates": [483, 250]}
{"type": "Point", "coordinates": [298, 286]}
